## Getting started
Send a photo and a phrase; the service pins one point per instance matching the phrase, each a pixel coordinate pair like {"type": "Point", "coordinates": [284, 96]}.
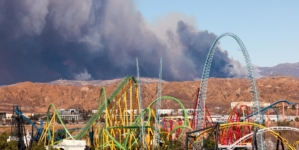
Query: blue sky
{"type": "Point", "coordinates": [269, 29]}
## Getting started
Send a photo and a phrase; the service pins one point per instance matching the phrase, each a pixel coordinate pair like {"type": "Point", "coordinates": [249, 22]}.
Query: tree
{"type": "Point", "coordinates": [65, 121]}
{"type": "Point", "coordinates": [209, 143]}
{"type": "Point", "coordinates": [33, 117]}
{"type": "Point", "coordinates": [60, 134]}
{"type": "Point", "coordinates": [37, 147]}
{"type": "Point", "coordinates": [3, 138]}
{"type": "Point", "coordinates": [12, 145]}
{"type": "Point", "coordinates": [283, 123]}
{"type": "Point", "coordinates": [3, 144]}
{"type": "Point", "coordinates": [297, 119]}
{"type": "Point", "coordinates": [175, 145]}
{"type": "Point", "coordinates": [163, 115]}
{"type": "Point", "coordinates": [85, 115]}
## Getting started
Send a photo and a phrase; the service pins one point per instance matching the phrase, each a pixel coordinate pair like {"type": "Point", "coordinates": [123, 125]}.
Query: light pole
{"type": "Point", "coordinates": [297, 107]}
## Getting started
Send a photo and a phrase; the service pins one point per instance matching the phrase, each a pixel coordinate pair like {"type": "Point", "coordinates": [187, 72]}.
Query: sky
{"type": "Point", "coordinates": [47, 40]}
{"type": "Point", "coordinates": [269, 29]}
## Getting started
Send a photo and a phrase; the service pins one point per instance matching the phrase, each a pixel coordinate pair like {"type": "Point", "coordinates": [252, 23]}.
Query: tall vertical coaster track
{"type": "Point", "coordinates": [204, 84]}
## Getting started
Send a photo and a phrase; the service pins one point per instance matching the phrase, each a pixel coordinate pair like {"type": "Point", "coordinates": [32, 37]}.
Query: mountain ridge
{"type": "Point", "coordinates": [285, 69]}
{"type": "Point", "coordinates": [35, 97]}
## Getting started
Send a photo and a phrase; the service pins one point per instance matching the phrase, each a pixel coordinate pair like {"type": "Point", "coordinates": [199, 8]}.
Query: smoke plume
{"type": "Point", "coordinates": [45, 40]}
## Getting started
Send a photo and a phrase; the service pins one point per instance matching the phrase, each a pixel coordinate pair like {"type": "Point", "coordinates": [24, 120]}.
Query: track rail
{"type": "Point", "coordinates": [204, 84]}
{"type": "Point", "coordinates": [270, 129]}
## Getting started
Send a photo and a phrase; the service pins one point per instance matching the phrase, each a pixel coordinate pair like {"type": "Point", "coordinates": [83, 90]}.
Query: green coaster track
{"type": "Point", "coordinates": [103, 104]}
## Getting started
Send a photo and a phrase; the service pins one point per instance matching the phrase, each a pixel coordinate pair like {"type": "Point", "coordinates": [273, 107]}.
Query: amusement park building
{"type": "Point", "coordinates": [69, 114]}
{"type": "Point", "coordinates": [70, 117]}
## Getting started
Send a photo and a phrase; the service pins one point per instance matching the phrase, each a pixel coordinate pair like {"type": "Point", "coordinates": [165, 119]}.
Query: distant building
{"type": "Point", "coordinates": [61, 111]}
{"type": "Point", "coordinates": [8, 116]}
{"type": "Point", "coordinates": [2, 115]}
{"type": "Point", "coordinates": [71, 117]}
{"type": "Point", "coordinates": [249, 104]}
{"type": "Point", "coordinates": [68, 111]}
{"type": "Point", "coordinates": [166, 111]}
{"type": "Point", "coordinates": [70, 114]}
{"type": "Point", "coordinates": [94, 111]}
{"type": "Point", "coordinates": [74, 111]}
{"type": "Point", "coordinates": [188, 111]}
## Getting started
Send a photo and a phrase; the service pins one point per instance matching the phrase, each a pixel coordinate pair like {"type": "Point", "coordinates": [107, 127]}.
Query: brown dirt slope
{"type": "Point", "coordinates": [35, 97]}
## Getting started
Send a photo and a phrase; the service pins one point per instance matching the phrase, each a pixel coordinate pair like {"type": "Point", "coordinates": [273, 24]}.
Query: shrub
{"type": "Point", "coordinates": [37, 147]}
{"type": "Point", "coordinates": [12, 145]}
{"type": "Point", "coordinates": [3, 138]}
{"type": "Point", "coordinates": [283, 123]}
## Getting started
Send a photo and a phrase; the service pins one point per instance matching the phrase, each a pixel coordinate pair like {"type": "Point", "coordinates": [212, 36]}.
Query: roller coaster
{"type": "Point", "coordinates": [122, 122]}
{"type": "Point", "coordinates": [121, 128]}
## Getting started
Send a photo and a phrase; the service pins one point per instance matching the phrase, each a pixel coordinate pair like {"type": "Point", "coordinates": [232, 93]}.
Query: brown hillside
{"type": "Point", "coordinates": [36, 97]}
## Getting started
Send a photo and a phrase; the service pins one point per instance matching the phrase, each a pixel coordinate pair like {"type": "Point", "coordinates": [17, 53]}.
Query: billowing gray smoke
{"type": "Point", "coordinates": [45, 40]}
